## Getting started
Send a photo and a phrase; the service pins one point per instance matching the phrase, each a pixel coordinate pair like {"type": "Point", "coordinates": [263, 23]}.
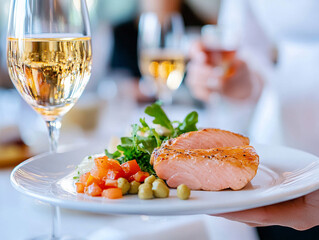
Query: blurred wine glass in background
{"type": "Point", "coordinates": [220, 44]}
{"type": "Point", "coordinates": [160, 50]}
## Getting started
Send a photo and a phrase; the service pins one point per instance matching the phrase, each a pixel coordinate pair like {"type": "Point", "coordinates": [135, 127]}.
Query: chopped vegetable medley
{"type": "Point", "coordinates": [123, 171]}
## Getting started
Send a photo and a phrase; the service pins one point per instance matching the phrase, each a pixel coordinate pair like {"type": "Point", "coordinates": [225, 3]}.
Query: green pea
{"type": "Point", "coordinates": [144, 184]}
{"type": "Point", "coordinates": [150, 179]}
{"type": "Point", "coordinates": [160, 190]}
{"type": "Point", "coordinates": [145, 191]}
{"type": "Point", "coordinates": [160, 180]}
{"type": "Point", "coordinates": [134, 187]}
{"type": "Point", "coordinates": [183, 192]}
{"type": "Point", "coordinates": [124, 185]}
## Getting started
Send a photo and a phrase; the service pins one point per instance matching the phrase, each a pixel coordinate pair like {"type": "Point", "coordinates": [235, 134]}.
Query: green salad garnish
{"type": "Point", "coordinates": [145, 139]}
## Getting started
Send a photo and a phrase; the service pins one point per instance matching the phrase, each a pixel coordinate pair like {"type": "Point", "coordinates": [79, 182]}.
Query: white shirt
{"type": "Point", "coordinates": [292, 26]}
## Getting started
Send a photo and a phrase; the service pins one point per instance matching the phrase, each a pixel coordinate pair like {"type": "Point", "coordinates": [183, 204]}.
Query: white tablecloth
{"type": "Point", "coordinates": [22, 217]}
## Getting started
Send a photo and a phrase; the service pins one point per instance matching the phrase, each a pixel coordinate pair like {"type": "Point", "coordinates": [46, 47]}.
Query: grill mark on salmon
{"type": "Point", "coordinates": [206, 169]}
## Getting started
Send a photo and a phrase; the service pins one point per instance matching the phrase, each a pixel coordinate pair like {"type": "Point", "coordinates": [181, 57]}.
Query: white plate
{"type": "Point", "coordinates": [283, 174]}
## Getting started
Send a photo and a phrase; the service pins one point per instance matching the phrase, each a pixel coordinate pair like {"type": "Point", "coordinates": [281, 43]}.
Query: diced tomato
{"type": "Point", "coordinates": [99, 173]}
{"type": "Point", "coordinates": [116, 166]}
{"type": "Point", "coordinates": [93, 190]}
{"type": "Point", "coordinates": [114, 162]}
{"type": "Point", "coordinates": [112, 193]}
{"type": "Point", "coordinates": [130, 168]}
{"type": "Point", "coordinates": [101, 162]}
{"type": "Point", "coordinates": [115, 174]}
{"type": "Point", "coordinates": [92, 180]}
{"type": "Point", "coordinates": [105, 162]}
{"type": "Point", "coordinates": [106, 168]}
{"type": "Point", "coordinates": [79, 187]}
{"type": "Point", "coordinates": [131, 178]}
{"type": "Point", "coordinates": [110, 183]}
{"type": "Point", "coordinates": [84, 177]}
{"type": "Point", "coordinates": [140, 176]}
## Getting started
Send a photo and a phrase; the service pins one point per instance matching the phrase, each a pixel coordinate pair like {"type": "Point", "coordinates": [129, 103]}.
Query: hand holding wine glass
{"type": "Point", "coordinates": [161, 56]}
{"type": "Point", "coordinates": [49, 60]}
{"type": "Point", "coordinates": [216, 70]}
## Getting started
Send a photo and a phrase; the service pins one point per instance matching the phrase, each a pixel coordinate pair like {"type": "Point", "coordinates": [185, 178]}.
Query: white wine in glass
{"type": "Point", "coordinates": [161, 55]}
{"type": "Point", "coordinates": [50, 73]}
{"type": "Point", "coordinates": [49, 59]}
{"type": "Point", "coordinates": [166, 68]}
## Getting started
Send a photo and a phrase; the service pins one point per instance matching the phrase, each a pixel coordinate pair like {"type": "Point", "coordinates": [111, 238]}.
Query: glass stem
{"type": "Point", "coordinates": [56, 223]}
{"type": "Point", "coordinates": [54, 132]}
{"type": "Point", "coordinates": [164, 94]}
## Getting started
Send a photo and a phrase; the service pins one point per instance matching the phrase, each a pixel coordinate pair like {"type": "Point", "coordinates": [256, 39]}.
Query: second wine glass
{"type": "Point", "coordinates": [161, 55]}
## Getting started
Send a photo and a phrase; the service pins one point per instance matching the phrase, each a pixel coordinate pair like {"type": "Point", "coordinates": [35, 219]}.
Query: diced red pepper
{"type": "Point", "coordinates": [140, 176]}
{"type": "Point", "coordinates": [130, 168]}
{"type": "Point", "coordinates": [93, 190]}
{"type": "Point", "coordinates": [112, 193]}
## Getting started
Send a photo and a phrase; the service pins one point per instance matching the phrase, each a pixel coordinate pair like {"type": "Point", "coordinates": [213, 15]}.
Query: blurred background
{"type": "Point", "coordinates": [254, 73]}
{"type": "Point", "coordinates": [248, 66]}
{"type": "Point", "coordinates": [113, 95]}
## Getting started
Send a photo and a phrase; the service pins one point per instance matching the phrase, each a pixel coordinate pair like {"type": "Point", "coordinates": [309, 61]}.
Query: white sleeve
{"type": "Point", "coordinates": [231, 13]}
{"type": "Point", "coordinates": [255, 48]}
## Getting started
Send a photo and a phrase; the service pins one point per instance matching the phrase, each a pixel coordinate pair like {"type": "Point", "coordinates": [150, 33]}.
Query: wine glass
{"type": "Point", "coordinates": [49, 60]}
{"type": "Point", "coordinates": [160, 49]}
{"type": "Point", "coordinates": [220, 43]}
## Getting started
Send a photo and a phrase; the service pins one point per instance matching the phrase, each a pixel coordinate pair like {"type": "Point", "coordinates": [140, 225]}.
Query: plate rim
{"type": "Point", "coordinates": [78, 205]}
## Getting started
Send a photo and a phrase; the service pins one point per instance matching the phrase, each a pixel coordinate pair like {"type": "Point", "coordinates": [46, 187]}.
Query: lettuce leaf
{"type": "Point", "coordinates": [144, 139]}
{"type": "Point", "coordinates": [155, 110]}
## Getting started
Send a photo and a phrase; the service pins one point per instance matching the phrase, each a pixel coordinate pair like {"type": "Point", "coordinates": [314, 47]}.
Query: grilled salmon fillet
{"type": "Point", "coordinates": [207, 169]}
{"type": "Point", "coordinates": [206, 139]}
